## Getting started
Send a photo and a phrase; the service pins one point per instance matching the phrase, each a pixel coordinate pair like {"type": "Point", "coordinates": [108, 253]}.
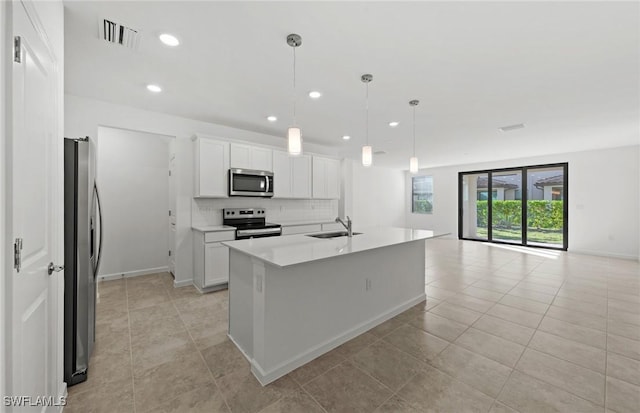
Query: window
{"type": "Point", "coordinates": [484, 195]}
{"type": "Point", "coordinates": [422, 194]}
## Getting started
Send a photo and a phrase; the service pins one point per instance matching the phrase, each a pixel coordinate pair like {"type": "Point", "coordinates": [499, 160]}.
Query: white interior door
{"type": "Point", "coordinates": [34, 191]}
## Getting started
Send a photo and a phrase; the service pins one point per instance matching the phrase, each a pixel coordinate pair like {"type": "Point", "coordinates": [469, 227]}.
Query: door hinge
{"type": "Point", "coordinates": [169, 252]}
{"type": "Point", "coordinates": [17, 254]}
{"type": "Point", "coordinates": [17, 50]}
{"type": "Point", "coordinates": [169, 172]}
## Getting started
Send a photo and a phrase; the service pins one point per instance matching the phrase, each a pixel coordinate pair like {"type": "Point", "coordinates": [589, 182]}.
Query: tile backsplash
{"type": "Point", "coordinates": [209, 211]}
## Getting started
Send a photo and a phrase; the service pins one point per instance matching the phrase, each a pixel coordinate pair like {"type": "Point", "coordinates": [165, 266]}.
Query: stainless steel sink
{"type": "Point", "coordinates": [332, 234]}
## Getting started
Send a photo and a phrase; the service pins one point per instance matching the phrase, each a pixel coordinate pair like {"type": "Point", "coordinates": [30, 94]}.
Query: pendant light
{"type": "Point", "coordinates": [294, 136]}
{"type": "Point", "coordinates": [367, 154]}
{"type": "Point", "coordinates": [413, 161]}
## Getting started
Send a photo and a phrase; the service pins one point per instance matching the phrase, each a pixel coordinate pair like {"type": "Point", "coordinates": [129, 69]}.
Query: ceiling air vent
{"type": "Point", "coordinates": [117, 33]}
{"type": "Point", "coordinates": [509, 128]}
{"type": "Point", "coordinates": [379, 153]}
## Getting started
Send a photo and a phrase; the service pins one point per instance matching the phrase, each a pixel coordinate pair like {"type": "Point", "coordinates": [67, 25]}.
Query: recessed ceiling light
{"type": "Point", "coordinates": [272, 118]}
{"type": "Point", "coordinates": [154, 88]}
{"type": "Point", "coordinates": [346, 137]}
{"type": "Point", "coordinates": [394, 124]}
{"type": "Point", "coordinates": [169, 39]}
{"type": "Point", "coordinates": [314, 94]}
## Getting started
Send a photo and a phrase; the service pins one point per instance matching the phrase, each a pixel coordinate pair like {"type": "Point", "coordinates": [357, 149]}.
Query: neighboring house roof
{"type": "Point", "coordinates": [483, 183]}
{"type": "Point", "coordinates": [552, 180]}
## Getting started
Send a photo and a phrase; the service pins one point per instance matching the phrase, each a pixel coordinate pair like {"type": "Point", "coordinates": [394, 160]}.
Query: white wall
{"type": "Point", "coordinates": [134, 190]}
{"type": "Point", "coordinates": [83, 116]}
{"type": "Point", "coordinates": [373, 196]}
{"type": "Point", "coordinates": [603, 199]}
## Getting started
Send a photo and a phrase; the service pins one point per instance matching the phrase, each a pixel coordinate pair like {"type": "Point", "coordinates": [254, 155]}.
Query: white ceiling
{"type": "Point", "coordinates": [569, 71]}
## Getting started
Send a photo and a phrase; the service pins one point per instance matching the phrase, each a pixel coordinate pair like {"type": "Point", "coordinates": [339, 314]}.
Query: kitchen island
{"type": "Point", "coordinates": [294, 298]}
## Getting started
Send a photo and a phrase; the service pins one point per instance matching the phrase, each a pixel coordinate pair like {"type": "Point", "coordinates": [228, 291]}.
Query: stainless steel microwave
{"type": "Point", "coordinates": [249, 182]}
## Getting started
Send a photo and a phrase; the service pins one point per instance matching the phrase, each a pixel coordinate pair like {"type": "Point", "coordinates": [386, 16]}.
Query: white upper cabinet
{"type": "Point", "coordinates": [251, 157]}
{"type": "Point", "coordinates": [211, 167]}
{"type": "Point", "coordinates": [281, 175]}
{"type": "Point", "coordinates": [326, 178]}
{"type": "Point", "coordinates": [300, 176]}
{"type": "Point", "coordinates": [291, 175]}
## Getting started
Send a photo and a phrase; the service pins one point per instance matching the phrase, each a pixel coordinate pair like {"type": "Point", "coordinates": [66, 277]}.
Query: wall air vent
{"type": "Point", "coordinates": [117, 33]}
{"type": "Point", "coordinates": [509, 128]}
{"type": "Point", "coordinates": [379, 153]}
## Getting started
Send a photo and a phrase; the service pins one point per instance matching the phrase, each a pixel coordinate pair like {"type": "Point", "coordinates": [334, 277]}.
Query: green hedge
{"type": "Point", "coordinates": [422, 206]}
{"type": "Point", "coordinates": [507, 214]}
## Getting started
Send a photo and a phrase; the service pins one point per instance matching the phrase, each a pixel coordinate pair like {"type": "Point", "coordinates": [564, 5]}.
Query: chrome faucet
{"type": "Point", "coordinates": [347, 225]}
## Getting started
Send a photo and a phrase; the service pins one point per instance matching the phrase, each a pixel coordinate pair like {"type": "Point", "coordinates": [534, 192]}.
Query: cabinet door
{"type": "Point", "coordinates": [319, 177]}
{"type": "Point", "coordinates": [216, 264]}
{"type": "Point", "coordinates": [241, 156]}
{"type": "Point", "coordinates": [211, 168]}
{"type": "Point", "coordinates": [333, 179]}
{"type": "Point", "coordinates": [281, 175]}
{"type": "Point", "coordinates": [301, 176]}
{"type": "Point", "coordinates": [261, 159]}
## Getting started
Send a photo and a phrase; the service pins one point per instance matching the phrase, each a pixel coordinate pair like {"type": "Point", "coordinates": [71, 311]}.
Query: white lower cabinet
{"type": "Point", "coordinates": [216, 264]}
{"type": "Point", "coordinates": [211, 259]}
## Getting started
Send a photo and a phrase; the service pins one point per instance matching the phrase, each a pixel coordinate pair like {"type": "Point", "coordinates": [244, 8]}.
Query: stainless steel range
{"type": "Point", "coordinates": [250, 223]}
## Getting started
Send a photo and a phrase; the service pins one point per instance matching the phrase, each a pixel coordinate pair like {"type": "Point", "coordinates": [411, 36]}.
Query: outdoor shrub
{"type": "Point", "coordinates": [541, 214]}
{"type": "Point", "coordinates": [422, 205]}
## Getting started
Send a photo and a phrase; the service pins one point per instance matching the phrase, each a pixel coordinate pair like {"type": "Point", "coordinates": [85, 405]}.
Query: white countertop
{"type": "Point", "coordinates": [299, 249]}
{"type": "Point", "coordinates": [213, 228]}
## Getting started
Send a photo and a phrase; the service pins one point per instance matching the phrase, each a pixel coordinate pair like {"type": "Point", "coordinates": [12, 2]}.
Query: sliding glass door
{"type": "Point", "coordinates": [473, 209]}
{"type": "Point", "coordinates": [524, 206]}
{"type": "Point", "coordinates": [546, 202]}
{"type": "Point", "coordinates": [506, 208]}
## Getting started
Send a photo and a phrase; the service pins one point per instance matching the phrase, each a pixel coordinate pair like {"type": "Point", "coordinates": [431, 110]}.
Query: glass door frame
{"type": "Point", "coordinates": [524, 219]}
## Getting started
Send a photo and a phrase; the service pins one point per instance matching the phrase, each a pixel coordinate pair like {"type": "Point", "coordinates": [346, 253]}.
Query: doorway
{"type": "Point", "coordinates": [132, 173]}
{"type": "Point", "coordinates": [522, 206]}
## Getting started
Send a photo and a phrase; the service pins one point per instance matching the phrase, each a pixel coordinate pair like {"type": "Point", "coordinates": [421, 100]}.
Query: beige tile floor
{"type": "Point", "coordinates": [502, 330]}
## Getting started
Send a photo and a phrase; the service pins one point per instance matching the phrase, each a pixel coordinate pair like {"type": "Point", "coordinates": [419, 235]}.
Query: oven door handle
{"type": "Point", "coordinates": [244, 232]}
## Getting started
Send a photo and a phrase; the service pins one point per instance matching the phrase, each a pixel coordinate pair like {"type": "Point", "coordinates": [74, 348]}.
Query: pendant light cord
{"type": "Point", "coordinates": [414, 131]}
{"type": "Point", "coordinates": [367, 117]}
{"type": "Point", "coordinates": [294, 86]}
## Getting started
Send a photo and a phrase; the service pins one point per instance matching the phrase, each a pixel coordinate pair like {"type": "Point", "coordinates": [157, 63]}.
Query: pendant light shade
{"type": "Point", "coordinates": [294, 135]}
{"type": "Point", "coordinates": [413, 161]}
{"type": "Point", "coordinates": [294, 139]}
{"type": "Point", "coordinates": [413, 165]}
{"type": "Point", "coordinates": [367, 155]}
{"type": "Point", "coordinates": [367, 151]}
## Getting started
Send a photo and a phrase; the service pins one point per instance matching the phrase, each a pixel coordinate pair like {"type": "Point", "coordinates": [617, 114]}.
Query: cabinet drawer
{"type": "Point", "coordinates": [219, 236]}
{"type": "Point", "coordinates": [301, 229]}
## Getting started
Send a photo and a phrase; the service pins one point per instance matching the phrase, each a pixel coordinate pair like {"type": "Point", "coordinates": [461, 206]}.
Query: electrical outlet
{"type": "Point", "coordinates": [367, 285]}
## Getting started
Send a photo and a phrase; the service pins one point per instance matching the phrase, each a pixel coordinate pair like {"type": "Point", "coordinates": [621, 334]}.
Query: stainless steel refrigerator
{"type": "Point", "coordinates": [82, 253]}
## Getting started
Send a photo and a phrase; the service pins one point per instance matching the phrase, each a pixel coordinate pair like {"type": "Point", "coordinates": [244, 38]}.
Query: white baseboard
{"type": "Point", "coordinates": [605, 254]}
{"type": "Point", "coordinates": [182, 283]}
{"type": "Point", "coordinates": [116, 276]}
{"type": "Point", "coordinates": [213, 288]}
{"type": "Point", "coordinates": [266, 377]}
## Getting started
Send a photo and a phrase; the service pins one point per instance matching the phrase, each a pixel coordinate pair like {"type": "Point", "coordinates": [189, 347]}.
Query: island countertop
{"type": "Point", "coordinates": [298, 249]}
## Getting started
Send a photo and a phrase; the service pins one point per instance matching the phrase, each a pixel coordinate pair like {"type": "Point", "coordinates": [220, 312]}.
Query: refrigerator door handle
{"type": "Point", "coordinates": [97, 195]}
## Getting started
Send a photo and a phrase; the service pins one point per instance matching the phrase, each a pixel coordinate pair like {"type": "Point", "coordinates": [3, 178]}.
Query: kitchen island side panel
{"type": "Point", "coordinates": [241, 301]}
{"type": "Point", "coordinates": [309, 309]}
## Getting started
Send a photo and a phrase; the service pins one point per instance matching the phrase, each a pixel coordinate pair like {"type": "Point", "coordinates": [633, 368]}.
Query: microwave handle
{"type": "Point", "coordinates": [268, 179]}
